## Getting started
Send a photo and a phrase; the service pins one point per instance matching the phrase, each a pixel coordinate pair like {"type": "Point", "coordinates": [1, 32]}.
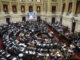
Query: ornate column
{"type": "Point", "coordinates": [42, 10]}
{"type": "Point", "coordinates": [74, 6]}
{"type": "Point", "coordinates": [18, 6]}
{"type": "Point", "coordinates": [60, 6]}
{"type": "Point", "coordinates": [49, 6]}
{"type": "Point", "coordinates": [67, 4]}
{"type": "Point", "coordinates": [10, 7]}
{"type": "Point", "coordinates": [1, 6]}
{"type": "Point", "coordinates": [26, 6]}
{"type": "Point", "coordinates": [34, 6]}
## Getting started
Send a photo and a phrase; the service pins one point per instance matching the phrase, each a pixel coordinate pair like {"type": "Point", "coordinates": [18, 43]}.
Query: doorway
{"type": "Point", "coordinates": [8, 20]}
{"type": "Point", "coordinates": [73, 26]}
{"type": "Point", "coordinates": [53, 20]}
{"type": "Point", "coordinates": [23, 19]}
{"type": "Point", "coordinates": [38, 18]}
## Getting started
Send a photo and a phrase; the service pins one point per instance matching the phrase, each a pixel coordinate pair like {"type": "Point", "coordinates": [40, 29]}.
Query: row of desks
{"type": "Point", "coordinates": [64, 38]}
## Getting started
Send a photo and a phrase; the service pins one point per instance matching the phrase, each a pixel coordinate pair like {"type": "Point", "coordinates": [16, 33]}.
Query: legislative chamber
{"type": "Point", "coordinates": [39, 30]}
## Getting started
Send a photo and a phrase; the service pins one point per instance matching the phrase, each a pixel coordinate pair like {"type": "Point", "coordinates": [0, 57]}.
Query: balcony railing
{"type": "Point", "coordinates": [5, 0]}
{"type": "Point", "coordinates": [6, 12]}
{"type": "Point", "coordinates": [22, 0]}
{"type": "Point", "coordinates": [14, 0]}
{"type": "Point", "coordinates": [54, 0]}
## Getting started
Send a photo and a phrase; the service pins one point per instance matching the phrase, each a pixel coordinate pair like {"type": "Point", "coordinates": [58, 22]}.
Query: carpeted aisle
{"type": "Point", "coordinates": [56, 38]}
{"type": "Point", "coordinates": [77, 57]}
{"type": "Point", "coordinates": [0, 44]}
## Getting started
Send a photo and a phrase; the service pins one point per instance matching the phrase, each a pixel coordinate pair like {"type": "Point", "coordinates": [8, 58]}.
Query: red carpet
{"type": "Point", "coordinates": [38, 38]}
{"type": "Point", "coordinates": [0, 44]}
{"type": "Point", "coordinates": [18, 38]}
{"type": "Point", "coordinates": [49, 30]}
{"type": "Point", "coordinates": [76, 57]}
{"type": "Point", "coordinates": [56, 38]}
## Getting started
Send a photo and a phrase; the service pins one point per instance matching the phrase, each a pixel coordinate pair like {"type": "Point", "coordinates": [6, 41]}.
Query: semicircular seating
{"type": "Point", "coordinates": [32, 41]}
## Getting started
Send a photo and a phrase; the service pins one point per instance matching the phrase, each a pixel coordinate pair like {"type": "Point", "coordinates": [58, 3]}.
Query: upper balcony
{"type": "Point", "coordinates": [53, 1]}
{"type": "Point", "coordinates": [10, 0]}
{"type": "Point", "coordinates": [22, 0]}
{"type": "Point", "coordinates": [14, 0]}
{"type": "Point", "coordinates": [5, 0]}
